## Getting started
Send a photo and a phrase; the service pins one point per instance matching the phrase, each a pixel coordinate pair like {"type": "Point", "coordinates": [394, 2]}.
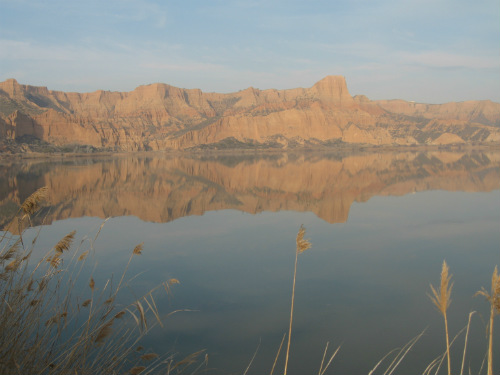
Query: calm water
{"type": "Point", "coordinates": [380, 226]}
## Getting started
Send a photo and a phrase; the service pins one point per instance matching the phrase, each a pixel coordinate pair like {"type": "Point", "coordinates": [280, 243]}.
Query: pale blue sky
{"type": "Point", "coordinates": [431, 51]}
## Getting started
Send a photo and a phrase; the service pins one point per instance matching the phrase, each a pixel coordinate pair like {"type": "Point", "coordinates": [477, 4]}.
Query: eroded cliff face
{"type": "Point", "coordinates": [164, 189]}
{"type": "Point", "coordinates": [160, 116]}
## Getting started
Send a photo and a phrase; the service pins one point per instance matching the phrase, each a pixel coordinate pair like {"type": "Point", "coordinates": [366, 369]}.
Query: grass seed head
{"type": "Point", "coordinates": [104, 332]}
{"type": "Point", "coordinates": [11, 252]}
{"type": "Point", "coordinates": [149, 356]}
{"type": "Point", "coordinates": [137, 370]}
{"type": "Point", "coordinates": [13, 265]}
{"type": "Point", "coordinates": [442, 297]}
{"type": "Point", "coordinates": [83, 255]}
{"type": "Point", "coordinates": [32, 203]}
{"type": "Point", "coordinates": [302, 244]}
{"type": "Point", "coordinates": [65, 243]}
{"type": "Point", "coordinates": [54, 261]}
{"type": "Point", "coordinates": [138, 249]}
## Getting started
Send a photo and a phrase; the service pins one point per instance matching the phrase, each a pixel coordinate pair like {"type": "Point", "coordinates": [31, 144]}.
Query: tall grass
{"type": "Point", "coordinates": [442, 300]}
{"type": "Point", "coordinates": [302, 245]}
{"type": "Point", "coordinates": [50, 324]}
{"type": "Point", "coordinates": [493, 298]}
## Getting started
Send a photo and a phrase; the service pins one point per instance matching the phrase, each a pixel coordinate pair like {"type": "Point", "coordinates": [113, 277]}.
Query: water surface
{"type": "Point", "coordinates": [380, 226]}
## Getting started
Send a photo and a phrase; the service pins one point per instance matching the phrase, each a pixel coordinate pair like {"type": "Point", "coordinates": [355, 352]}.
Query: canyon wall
{"type": "Point", "coordinates": [163, 117]}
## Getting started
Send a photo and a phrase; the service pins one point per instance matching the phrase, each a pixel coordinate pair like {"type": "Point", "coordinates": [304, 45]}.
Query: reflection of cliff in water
{"type": "Point", "coordinates": [161, 189]}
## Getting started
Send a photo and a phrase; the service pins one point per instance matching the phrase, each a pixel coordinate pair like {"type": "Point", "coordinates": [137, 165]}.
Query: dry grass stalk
{"type": "Point", "coordinates": [302, 245]}
{"type": "Point", "coordinates": [139, 307]}
{"type": "Point", "coordinates": [153, 308]}
{"type": "Point", "coordinates": [104, 332]}
{"type": "Point", "coordinates": [12, 266]}
{"type": "Point", "coordinates": [83, 256]}
{"type": "Point", "coordinates": [493, 298]}
{"type": "Point", "coordinates": [137, 370]}
{"type": "Point", "coordinates": [11, 252]}
{"type": "Point", "coordinates": [32, 203]}
{"type": "Point", "coordinates": [442, 300]}
{"type": "Point", "coordinates": [253, 358]}
{"type": "Point", "coordinates": [190, 359]}
{"type": "Point", "coordinates": [277, 354]}
{"type": "Point", "coordinates": [466, 341]}
{"type": "Point", "coordinates": [53, 338]}
{"type": "Point", "coordinates": [322, 369]}
{"type": "Point", "coordinates": [54, 261]}
{"type": "Point", "coordinates": [138, 249]}
{"type": "Point", "coordinates": [65, 243]}
{"type": "Point", "coordinates": [173, 281]}
{"type": "Point", "coordinates": [149, 356]}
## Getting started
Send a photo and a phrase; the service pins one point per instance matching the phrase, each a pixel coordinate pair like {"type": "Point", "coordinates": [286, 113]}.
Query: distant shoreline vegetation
{"type": "Point", "coordinates": [30, 147]}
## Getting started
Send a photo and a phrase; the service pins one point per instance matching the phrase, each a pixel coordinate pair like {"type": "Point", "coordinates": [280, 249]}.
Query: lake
{"type": "Point", "coordinates": [225, 226]}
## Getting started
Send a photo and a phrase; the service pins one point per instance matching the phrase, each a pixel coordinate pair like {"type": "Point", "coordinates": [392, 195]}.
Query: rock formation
{"type": "Point", "coordinates": [161, 117]}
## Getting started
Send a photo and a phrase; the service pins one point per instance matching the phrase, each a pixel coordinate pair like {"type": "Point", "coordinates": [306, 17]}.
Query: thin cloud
{"type": "Point", "coordinates": [189, 66]}
{"type": "Point", "coordinates": [438, 59]}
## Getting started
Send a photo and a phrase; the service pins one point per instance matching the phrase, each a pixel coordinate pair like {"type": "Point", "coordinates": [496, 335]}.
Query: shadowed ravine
{"type": "Point", "coordinates": [162, 189]}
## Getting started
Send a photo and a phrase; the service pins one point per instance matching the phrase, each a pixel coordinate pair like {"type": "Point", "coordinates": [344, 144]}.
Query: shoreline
{"type": "Point", "coordinates": [345, 149]}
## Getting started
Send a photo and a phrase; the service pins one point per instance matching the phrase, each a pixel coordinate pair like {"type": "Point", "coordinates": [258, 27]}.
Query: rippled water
{"type": "Point", "coordinates": [380, 227]}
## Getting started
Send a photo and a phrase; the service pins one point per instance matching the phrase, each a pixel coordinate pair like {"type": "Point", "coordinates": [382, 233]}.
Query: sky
{"type": "Point", "coordinates": [431, 51]}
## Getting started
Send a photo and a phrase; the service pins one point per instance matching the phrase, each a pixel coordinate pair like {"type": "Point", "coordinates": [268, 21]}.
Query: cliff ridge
{"type": "Point", "coordinates": [161, 117]}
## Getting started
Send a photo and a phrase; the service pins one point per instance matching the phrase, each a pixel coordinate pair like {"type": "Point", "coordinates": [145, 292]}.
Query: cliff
{"type": "Point", "coordinates": [160, 116]}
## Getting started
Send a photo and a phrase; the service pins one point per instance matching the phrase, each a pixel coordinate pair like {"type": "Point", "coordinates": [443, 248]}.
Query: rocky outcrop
{"type": "Point", "coordinates": [160, 116]}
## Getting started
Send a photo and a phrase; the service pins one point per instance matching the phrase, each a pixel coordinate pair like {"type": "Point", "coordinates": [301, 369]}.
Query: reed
{"type": "Point", "coordinates": [442, 299]}
{"type": "Point", "coordinates": [49, 324]}
{"type": "Point", "coordinates": [46, 327]}
{"type": "Point", "coordinates": [302, 245]}
{"type": "Point", "coordinates": [493, 298]}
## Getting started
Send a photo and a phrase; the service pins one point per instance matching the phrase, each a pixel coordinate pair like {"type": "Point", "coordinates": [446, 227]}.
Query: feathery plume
{"type": "Point", "coordinates": [138, 249]}
{"type": "Point", "coordinates": [442, 300]}
{"type": "Point", "coordinates": [302, 244]}
{"type": "Point", "coordinates": [149, 356]}
{"type": "Point", "coordinates": [137, 370]}
{"type": "Point", "coordinates": [493, 298]}
{"type": "Point", "coordinates": [32, 203]}
{"type": "Point", "coordinates": [104, 332]}
{"type": "Point", "coordinates": [65, 243]}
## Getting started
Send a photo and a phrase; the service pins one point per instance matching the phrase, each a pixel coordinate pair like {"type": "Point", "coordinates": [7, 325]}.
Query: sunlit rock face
{"type": "Point", "coordinates": [162, 189]}
{"type": "Point", "coordinates": [163, 117]}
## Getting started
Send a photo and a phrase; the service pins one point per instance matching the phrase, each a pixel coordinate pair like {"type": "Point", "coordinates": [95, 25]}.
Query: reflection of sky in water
{"type": "Point", "coordinates": [363, 284]}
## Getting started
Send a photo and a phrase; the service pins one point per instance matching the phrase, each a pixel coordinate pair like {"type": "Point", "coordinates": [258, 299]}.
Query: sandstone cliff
{"type": "Point", "coordinates": [160, 116]}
